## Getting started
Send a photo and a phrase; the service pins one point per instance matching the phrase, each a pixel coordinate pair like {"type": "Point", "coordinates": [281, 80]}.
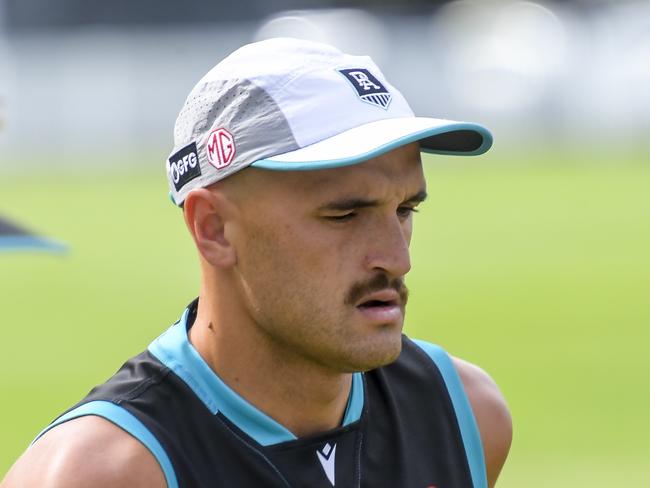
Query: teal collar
{"type": "Point", "coordinates": [175, 351]}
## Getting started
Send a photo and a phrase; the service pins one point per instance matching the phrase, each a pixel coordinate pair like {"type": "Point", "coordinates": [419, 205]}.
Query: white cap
{"type": "Point", "coordinates": [289, 104]}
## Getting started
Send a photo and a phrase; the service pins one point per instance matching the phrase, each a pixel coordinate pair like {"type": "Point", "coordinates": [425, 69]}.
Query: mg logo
{"type": "Point", "coordinates": [220, 148]}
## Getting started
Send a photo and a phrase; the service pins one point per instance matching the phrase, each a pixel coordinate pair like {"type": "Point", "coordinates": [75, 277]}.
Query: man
{"type": "Point", "coordinates": [298, 170]}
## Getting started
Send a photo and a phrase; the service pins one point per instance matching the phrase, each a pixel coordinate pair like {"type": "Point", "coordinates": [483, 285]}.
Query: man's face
{"type": "Point", "coordinates": [321, 257]}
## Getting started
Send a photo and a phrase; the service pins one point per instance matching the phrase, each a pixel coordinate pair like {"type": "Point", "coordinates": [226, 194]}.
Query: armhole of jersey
{"type": "Point", "coordinates": [466, 421]}
{"type": "Point", "coordinates": [128, 423]}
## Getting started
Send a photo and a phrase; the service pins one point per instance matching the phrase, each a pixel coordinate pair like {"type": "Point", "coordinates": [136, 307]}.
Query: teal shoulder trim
{"type": "Point", "coordinates": [466, 421]}
{"type": "Point", "coordinates": [355, 401]}
{"type": "Point", "coordinates": [127, 422]}
{"type": "Point", "coordinates": [175, 351]}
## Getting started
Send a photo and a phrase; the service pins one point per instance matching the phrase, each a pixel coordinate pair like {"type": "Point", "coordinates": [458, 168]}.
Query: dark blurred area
{"type": "Point", "coordinates": [90, 77]}
{"type": "Point", "coordinates": [41, 14]}
{"type": "Point", "coordinates": [37, 14]}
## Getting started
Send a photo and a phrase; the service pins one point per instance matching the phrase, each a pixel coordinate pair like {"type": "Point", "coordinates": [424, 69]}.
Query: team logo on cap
{"type": "Point", "coordinates": [220, 148]}
{"type": "Point", "coordinates": [369, 88]}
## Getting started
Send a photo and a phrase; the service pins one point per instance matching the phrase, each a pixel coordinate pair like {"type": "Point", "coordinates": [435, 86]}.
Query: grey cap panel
{"type": "Point", "coordinates": [246, 111]}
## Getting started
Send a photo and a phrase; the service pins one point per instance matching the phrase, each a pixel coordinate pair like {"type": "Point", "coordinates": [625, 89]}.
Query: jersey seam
{"type": "Point", "coordinates": [259, 452]}
{"type": "Point", "coordinates": [142, 387]}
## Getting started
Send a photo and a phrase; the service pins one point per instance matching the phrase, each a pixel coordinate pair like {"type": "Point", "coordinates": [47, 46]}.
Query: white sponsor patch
{"type": "Point", "coordinates": [183, 166]}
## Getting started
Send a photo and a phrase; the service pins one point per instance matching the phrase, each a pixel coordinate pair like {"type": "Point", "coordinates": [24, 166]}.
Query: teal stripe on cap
{"type": "Point", "coordinates": [359, 158]}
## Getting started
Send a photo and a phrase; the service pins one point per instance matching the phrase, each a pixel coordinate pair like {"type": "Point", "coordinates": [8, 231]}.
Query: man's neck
{"type": "Point", "coordinates": [304, 397]}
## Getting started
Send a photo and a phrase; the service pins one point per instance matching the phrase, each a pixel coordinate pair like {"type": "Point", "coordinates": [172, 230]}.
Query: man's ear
{"type": "Point", "coordinates": [207, 213]}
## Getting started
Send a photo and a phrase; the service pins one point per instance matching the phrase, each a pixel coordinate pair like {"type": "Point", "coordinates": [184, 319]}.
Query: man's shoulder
{"type": "Point", "coordinates": [488, 406]}
{"type": "Point", "coordinates": [479, 387]}
{"type": "Point", "coordinates": [86, 451]}
{"type": "Point", "coordinates": [487, 401]}
{"type": "Point", "coordinates": [491, 413]}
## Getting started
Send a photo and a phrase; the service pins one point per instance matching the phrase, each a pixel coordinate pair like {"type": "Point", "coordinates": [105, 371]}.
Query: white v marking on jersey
{"type": "Point", "coordinates": [327, 457]}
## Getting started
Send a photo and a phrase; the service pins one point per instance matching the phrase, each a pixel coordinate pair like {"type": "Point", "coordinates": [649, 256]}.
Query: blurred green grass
{"type": "Point", "coordinates": [538, 269]}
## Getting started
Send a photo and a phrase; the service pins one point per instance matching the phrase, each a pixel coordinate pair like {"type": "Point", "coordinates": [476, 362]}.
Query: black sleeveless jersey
{"type": "Point", "coordinates": [406, 425]}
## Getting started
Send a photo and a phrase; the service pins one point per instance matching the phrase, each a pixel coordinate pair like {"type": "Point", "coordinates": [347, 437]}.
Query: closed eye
{"type": "Point", "coordinates": [342, 217]}
{"type": "Point", "coordinates": [404, 212]}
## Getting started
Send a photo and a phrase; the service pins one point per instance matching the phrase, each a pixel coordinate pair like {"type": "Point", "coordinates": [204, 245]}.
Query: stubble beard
{"type": "Point", "coordinates": [311, 333]}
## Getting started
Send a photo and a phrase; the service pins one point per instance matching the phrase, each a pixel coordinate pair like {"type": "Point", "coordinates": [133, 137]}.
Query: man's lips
{"type": "Point", "coordinates": [382, 298]}
{"type": "Point", "coordinates": [382, 308]}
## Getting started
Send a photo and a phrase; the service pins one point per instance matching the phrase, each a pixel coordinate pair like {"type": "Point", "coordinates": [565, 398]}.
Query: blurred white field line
{"type": "Point", "coordinates": [564, 73]}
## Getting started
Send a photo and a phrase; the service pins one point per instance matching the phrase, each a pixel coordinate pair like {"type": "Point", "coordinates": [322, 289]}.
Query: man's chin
{"type": "Point", "coordinates": [375, 355]}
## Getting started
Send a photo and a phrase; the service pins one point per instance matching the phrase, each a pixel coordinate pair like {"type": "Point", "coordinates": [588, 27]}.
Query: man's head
{"type": "Point", "coordinates": [316, 259]}
{"type": "Point", "coordinates": [299, 169]}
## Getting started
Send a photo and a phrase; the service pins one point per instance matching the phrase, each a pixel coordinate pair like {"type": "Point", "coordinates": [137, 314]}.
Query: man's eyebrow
{"type": "Point", "coordinates": [419, 197]}
{"type": "Point", "coordinates": [354, 202]}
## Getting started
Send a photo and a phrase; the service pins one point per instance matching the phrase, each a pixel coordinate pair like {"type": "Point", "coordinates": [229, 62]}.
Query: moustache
{"type": "Point", "coordinates": [377, 283]}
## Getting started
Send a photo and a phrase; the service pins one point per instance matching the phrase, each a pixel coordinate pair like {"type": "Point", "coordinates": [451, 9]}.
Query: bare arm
{"type": "Point", "coordinates": [88, 451]}
{"type": "Point", "coordinates": [491, 413]}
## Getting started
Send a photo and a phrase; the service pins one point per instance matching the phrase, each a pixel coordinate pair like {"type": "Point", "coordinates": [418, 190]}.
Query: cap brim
{"type": "Point", "coordinates": [370, 140]}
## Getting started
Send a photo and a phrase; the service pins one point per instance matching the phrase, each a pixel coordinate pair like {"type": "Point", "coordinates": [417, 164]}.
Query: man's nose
{"type": "Point", "coordinates": [388, 249]}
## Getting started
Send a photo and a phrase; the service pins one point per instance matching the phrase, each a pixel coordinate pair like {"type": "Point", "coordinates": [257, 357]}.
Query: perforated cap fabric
{"type": "Point", "coordinates": [289, 104]}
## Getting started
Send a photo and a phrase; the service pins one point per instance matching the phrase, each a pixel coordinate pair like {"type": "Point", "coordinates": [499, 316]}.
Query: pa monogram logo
{"type": "Point", "coordinates": [220, 148]}
{"type": "Point", "coordinates": [368, 87]}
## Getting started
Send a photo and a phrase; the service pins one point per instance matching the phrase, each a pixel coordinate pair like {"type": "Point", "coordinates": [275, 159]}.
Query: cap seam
{"type": "Point", "coordinates": [277, 104]}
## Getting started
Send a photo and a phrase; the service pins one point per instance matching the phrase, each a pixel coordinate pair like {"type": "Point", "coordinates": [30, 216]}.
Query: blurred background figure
{"type": "Point", "coordinates": [532, 261]}
{"type": "Point", "coordinates": [16, 238]}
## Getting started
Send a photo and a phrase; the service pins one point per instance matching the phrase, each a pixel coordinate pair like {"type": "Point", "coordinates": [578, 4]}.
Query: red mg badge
{"type": "Point", "coordinates": [220, 148]}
